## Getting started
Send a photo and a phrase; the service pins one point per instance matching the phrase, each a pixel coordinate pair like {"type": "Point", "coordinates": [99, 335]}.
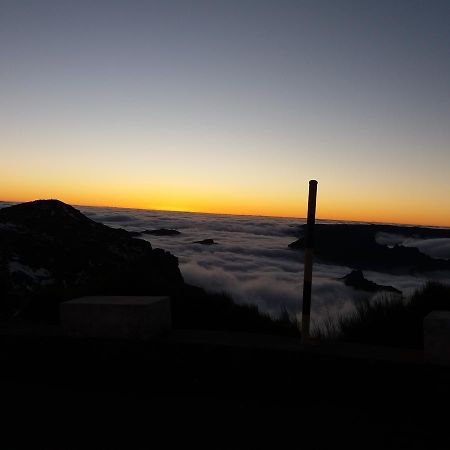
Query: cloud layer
{"type": "Point", "coordinates": [251, 260]}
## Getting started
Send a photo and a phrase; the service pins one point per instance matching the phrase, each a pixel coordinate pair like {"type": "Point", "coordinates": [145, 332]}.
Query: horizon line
{"type": "Point", "coordinates": [245, 215]}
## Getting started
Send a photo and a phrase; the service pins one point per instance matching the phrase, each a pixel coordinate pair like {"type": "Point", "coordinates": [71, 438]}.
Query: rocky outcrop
{"type": "Point", "coordinates": [355, 246]}
{"type": "Point", "coordinates": [50, 251]}
{"type": "Point", "coordinates": [297, 245]}
{"type": "Point", "coordinates": [162, 232]}
{"type": "Point", "coordinates": [206, 242]}
{"type": "Point", "coordinates": [357, 280]}
{"type": "Point", "coordinates": [134, 233]}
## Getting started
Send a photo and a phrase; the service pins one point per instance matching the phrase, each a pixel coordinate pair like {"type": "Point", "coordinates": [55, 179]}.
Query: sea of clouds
{"type": "Point", "coordinates": [252, 262]}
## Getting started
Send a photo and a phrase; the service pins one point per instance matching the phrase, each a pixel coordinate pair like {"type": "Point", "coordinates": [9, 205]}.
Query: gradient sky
{"type": "Point", "coordinates": [229, 106]}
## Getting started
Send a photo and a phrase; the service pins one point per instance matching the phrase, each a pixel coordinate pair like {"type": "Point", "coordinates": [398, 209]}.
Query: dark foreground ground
{"type": "Point", "coordinates": [60, 393]}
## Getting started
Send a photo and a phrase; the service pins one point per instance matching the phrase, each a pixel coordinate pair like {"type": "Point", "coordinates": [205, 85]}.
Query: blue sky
{"type": "Point", "coordinates": [228, 106]}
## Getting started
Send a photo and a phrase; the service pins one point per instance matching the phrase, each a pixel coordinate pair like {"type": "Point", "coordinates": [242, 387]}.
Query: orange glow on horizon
{"type": "Point", "coordinates": [327, 209]}
{"type": "Point", "coordinates": [121, 106]}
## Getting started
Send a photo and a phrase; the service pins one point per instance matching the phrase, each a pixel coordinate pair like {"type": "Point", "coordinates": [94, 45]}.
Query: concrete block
{"type": "Point", "coordinates": [436, 329]}
{"type": "Point", "coordinates": [124, 317]}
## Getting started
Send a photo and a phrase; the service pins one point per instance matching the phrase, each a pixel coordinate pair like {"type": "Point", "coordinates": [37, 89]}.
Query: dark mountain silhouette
{"type": "Point", "coordinates": [50, 250]}
{"type": "Point", "coordinates": [355, 246]}
{"type": "Point", "coordinates": [206, 242]}
{"type": "Point", "coordinates": [162, 232]}
{"type": "Point", "coordinates": [357, 280]}
{"type": "Point", "coordinates": [406, 231]}
{"type": "Point", "coordinates": [134, 233]}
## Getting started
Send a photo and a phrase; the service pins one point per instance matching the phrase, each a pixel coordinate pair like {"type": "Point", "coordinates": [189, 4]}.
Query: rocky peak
{"type": "Point", "coordinates": [357, 280]}
{"type": "Point", "coordinates": [77, 255]}
{"type": "Point", "coordinates": [44, 214]}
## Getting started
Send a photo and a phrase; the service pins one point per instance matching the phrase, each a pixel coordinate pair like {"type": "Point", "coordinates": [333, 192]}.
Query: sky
{"type": "Point", "coordinates": [229, 106]}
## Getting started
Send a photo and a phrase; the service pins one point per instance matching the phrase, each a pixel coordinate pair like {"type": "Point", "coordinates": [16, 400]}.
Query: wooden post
{"type": "Point", "coordinates": [309, 246]}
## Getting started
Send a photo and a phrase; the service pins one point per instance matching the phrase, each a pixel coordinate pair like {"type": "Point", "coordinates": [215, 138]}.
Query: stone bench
{"type": "Point", "coordinates": [436, 337]}
{"type": "Point", "coordinates": [124, 317]}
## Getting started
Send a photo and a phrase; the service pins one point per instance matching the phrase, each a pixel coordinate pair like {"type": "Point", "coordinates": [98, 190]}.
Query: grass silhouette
{"type": "Point", "coordinates": [389, 320]}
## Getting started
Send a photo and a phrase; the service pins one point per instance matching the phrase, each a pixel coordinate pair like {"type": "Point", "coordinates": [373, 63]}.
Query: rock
{"type": "Point", "coordinates": [50, 252]}
{"type": "Point", "coordinates": [123, 317]}
{"type": "Point", "coordinates": [206, 242]}
{"type": "Point", "coordinates": [162, 232]}
{"type": "Point", "coordinates": [355, 246]}
{"type": "Point", "coordinates": [357, 280]}
{"type": "Point", "coordinates": [135, 233]}
{"type": "Point", "coordinates": [297, 245]}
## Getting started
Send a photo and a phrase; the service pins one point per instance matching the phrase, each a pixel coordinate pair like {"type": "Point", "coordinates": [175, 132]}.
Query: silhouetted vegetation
{"type": "Point", "coordinates": [389, 320]}
{"type": "Point", "coordinates": [194, 308]}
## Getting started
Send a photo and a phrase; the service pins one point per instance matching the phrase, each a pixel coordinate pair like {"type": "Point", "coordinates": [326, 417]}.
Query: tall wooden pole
{"type": "Point", "coordinates": [309, 246]}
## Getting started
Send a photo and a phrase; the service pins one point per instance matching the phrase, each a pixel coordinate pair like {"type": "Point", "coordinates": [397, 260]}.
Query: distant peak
{"type": "Point", "coordinates": [38, 211]}
{"type": "Point", "coordinates": [42, 205]}
{"type": "Point", "coordinates": [357, 280]}
{"type": "Point", "coordinates": [354, 275]}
